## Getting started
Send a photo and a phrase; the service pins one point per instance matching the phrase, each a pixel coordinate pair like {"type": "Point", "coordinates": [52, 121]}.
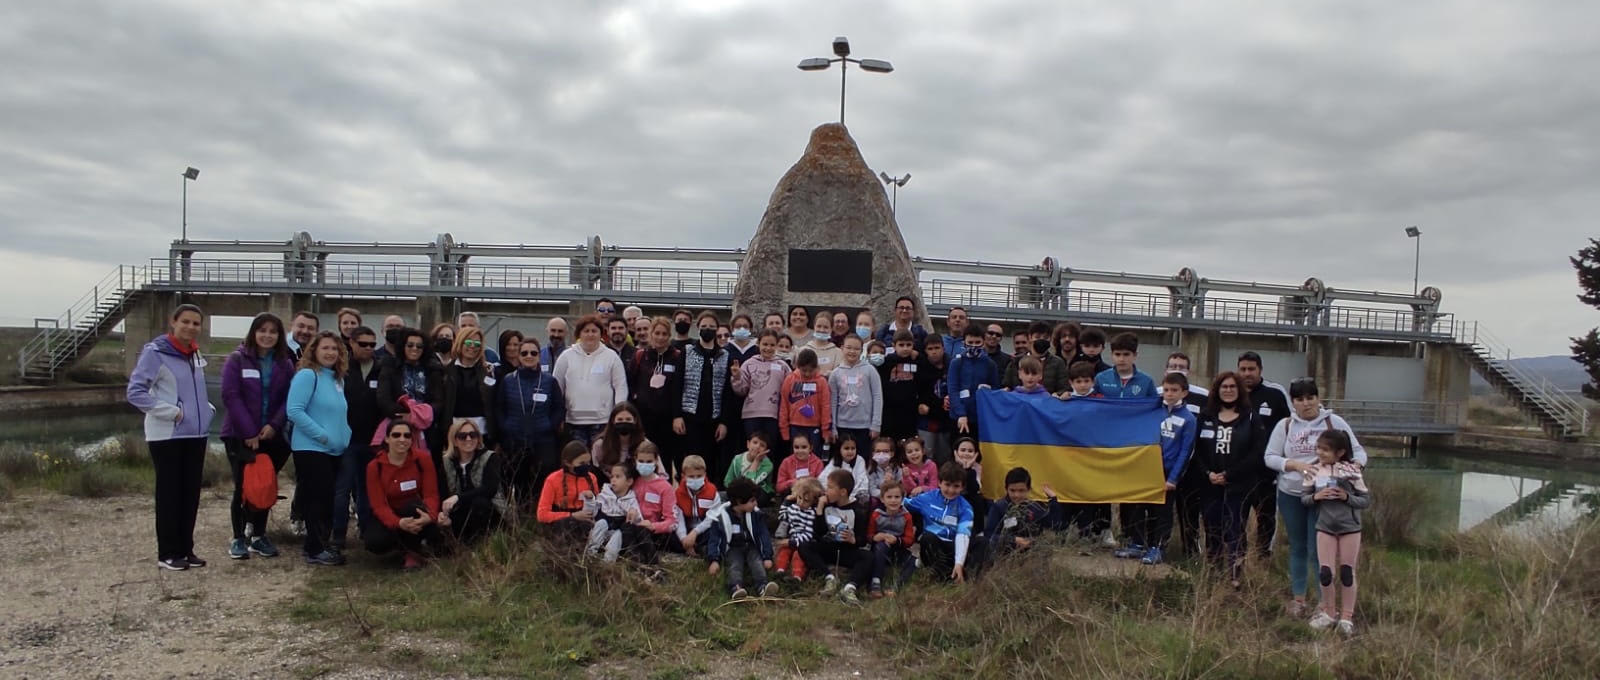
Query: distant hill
{"type": "Point", "coordinates": [1560, 370]}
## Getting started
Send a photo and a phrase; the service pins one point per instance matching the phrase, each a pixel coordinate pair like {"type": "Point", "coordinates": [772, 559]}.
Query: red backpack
{"type": "Point", "coordinates": [260, 484]}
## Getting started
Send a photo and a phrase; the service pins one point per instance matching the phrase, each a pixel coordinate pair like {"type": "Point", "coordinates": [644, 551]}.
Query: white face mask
{"type": "Point", "coordinates": [695, 483]}
{"type": "Point", "coordinates": [881, 458]}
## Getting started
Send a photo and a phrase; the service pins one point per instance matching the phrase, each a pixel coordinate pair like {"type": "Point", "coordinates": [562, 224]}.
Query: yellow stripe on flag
{"type": "Point", "coordinates": [1130, 474]}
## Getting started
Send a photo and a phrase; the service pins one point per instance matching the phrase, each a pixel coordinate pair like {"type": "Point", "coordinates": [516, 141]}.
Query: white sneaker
{"type": "Point", "coordinates": [1347, 627]}
{"type": "Point", "coordinates": [1321, 621]}
{"type": "Point", "coordinates": [830, 585]}
{"type": "Point", "coordinates": [1108, 540]}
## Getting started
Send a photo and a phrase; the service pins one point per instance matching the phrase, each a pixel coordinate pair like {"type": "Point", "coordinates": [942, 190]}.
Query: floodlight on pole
{"type": "Point", "coordinates": [1416, 270]}
{"type": "Point", "coordinates": [190, 173]}
{"type": "Point", "coordinates": [841, 50]}
{"type": "Point", "coordinates": [894, 184]}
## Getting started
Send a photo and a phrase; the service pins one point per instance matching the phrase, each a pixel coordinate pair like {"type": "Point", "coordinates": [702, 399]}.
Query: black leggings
{"type": "Point", "coordinates": [314, 476]}
{"type": "Point", "coordinates": [239, 456]}
{"type": "Point", "coordinates": [178, 463]}
{"type": "Point", "coordinates": [382, 540]}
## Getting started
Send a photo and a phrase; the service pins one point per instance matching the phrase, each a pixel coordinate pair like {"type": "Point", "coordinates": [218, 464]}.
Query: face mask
{"type": "Point", "coordinates": [821, 335]}
{"type": "Point", "coordinates": [863, 331]}
{"type": "Point", "coordinates": [695, 483]}
{"type": "Point", "coordinates": [880, 458]}
{"type": "Point", "coordinates": [645, 469]}
{"type": "Point", "coordinates": [442, 346]}
{"type": "Point", "coordinates": [875, 359]}
{"type": "Point", "coordinates": [782, 355]}
{"type": "Point", "coordinates": [1041, 346]}
{"type": "Point", "coordinates": [682, 327]}
{"type": "Point", "coordinates": [741, 334]}
{"type": "Point", "coordinates": [708, 334]}
{"type": "Point", "coordinates": [974, 352]}
{"type": "Point", "coordinates": [625, 429]}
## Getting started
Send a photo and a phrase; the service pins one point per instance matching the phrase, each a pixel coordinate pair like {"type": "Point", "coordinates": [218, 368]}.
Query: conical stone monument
{"type": "Point", "coordinates": [828, 239]}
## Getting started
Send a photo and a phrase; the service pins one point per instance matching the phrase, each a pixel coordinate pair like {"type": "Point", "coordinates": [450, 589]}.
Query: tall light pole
{"type": "Point", "coordinates": [841, 48]}
{"type": "Point", "coordinates": [894, 188]}
{"type": "Point", "coordinates": [1416, 269]}
{"type": "Point", "coordinates": [188, 174]}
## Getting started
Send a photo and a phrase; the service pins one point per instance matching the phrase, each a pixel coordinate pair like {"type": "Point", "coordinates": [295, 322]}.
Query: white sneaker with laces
{"type": "Point", "coordinates": [1347, 627]}
{"type": "Point", "coordinates": [1321, 621]}
{"type": "Point", "coordinates": [830, 585]}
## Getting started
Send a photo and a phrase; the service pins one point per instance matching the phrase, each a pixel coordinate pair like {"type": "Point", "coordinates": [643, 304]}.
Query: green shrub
{"type": "Point", "coordinates": [1397, 513]}
{"type": "Point", "coordinates": [100, 481]}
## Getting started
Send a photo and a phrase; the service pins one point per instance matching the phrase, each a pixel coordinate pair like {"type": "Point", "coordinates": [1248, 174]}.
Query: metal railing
{"type": "Point", "coordinates": [416, 276]}
{"type": "Point", "coordinates": [84, 316]}
{"type": "Point", "coordinates": [1571, 414]}
{"type": "Point", "coordinates": [1399, 417]}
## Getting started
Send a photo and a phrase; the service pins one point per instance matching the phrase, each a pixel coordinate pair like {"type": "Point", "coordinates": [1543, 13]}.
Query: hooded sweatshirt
{"type": "Point", "coordinates": [829, 355]}
{"type": "Point", "coordinates": [1296, 439]}
{"type": "Point", "coordinates": [1177, 441]}
{"type": "Point", "coordinates": [245, 386]}
{"type": "Point", "coordinates": [593, 382]}
{"type": "Point", "coordinates": [857, 397]}
{"type": "Point", "coordinates": [168, 381]}
{"type": "Point", "coordinates": [760, 382]}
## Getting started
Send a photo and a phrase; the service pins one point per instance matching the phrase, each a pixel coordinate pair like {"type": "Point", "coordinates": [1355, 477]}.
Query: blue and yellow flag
{"type": "Point", "coordinates": [1090, 450]}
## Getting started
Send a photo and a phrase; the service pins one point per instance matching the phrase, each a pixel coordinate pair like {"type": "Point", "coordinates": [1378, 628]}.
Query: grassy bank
{"type": "Point", "coordinates": [119, 466]}
{"type": "Point", "coordinates": [1485, 604]}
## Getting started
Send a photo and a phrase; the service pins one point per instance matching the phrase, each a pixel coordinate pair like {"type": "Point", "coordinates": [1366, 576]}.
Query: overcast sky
{"type": "Point", "coordinates": [1250, 140]}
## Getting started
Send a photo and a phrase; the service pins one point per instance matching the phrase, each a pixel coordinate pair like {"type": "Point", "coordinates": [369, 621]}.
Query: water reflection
{"type": "Point", "coordinates": [1472, 491]}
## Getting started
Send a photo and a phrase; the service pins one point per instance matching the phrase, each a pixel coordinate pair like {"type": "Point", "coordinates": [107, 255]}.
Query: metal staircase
{"type": "Point", "coordinates": [1558, 414]}
{"type": "Point", "coordinates": [62, 342]}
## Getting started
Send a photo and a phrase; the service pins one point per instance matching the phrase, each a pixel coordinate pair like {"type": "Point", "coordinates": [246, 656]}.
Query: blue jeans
{"type": "Point", "coordinates": [587, 433]}
{"type": "Point", "coordinates": [1301, 524]}
{"type": "Point", "coordinates": [351, 483]}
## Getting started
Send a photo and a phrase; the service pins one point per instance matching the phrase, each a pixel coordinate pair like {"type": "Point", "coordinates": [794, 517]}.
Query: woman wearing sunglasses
{"type": "Point", "coordinates": [409, 383]}
{"type": "Point", "coordinates": [474, 500]}
{"type": "Point", "coordinates": [405, 497]}
{"type": "Point", "coordinates": [468, 388]}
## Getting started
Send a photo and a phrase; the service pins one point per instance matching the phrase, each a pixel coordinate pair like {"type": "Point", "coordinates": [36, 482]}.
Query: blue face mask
{"type": "Point", "coordinates": [645, 469]}
{"type": "Point", "coordinates": [821, 335]}
{"type": "Point", "coordinates": [695, 483]}
{"type": "Point", "coordinates": [863, 331]}
{"type": "Point", "coordinates": [875, 359]}
{"type": "Point", "coordinates": [741, 334]}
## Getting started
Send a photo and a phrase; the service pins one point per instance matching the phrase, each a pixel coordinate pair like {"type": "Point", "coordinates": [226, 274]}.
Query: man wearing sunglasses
{"type": "Point", "coordinates": [361, 393]}
{"type": "Point", "coordinates": [992, 334]}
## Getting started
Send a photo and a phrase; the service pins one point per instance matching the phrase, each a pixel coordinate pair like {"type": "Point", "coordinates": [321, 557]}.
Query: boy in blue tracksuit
{"type": "Point", "coordinates": [969, 371]}
{"type": "Point", "coordinates": [946, 540]}
{"type": "Point", "coordinates": [1124, 380]}
{"type": "Point", "coordinates": [1149, 525]}
{"type": "Point", "coordinates": [738, 538]}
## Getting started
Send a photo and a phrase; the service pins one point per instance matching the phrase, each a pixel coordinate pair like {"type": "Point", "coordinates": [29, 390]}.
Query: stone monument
{"type": "Point", "coordinates": [828, 239]}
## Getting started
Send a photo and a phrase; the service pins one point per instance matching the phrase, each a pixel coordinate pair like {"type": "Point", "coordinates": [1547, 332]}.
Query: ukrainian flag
{"type": "Point", "coordinates": [1089, 450]}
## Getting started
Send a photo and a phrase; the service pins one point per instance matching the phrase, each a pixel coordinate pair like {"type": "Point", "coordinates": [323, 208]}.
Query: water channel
{"type": "Point", "coordinates": [1468, 490]}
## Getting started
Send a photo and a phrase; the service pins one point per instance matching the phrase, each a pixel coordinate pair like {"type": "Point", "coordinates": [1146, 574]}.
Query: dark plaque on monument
{"type": "Point", "coordinates": [830, 271]}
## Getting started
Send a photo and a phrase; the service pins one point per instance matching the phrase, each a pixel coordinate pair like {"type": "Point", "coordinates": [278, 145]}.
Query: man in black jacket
{"type": "Point", "coordinates": [1272, 406]}
{"type": "Point", "coordinates": [361, 393]}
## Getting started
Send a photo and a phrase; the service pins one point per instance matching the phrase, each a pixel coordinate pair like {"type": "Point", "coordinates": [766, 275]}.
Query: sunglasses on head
{"type": "Point", "coordinates": [471, 343]}
{"type": "Point", "coordinates": [467, 434]}
{"type": "Point", "coordinates": [366, 345]}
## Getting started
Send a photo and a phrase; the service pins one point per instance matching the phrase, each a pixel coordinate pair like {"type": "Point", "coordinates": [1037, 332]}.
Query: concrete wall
{"type": "Point", "coordinates": [1385, 378]}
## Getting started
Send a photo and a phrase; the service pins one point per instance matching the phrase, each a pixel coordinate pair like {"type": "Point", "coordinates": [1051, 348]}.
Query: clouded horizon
{"type": "Point", "coordinates": [1255, 141]}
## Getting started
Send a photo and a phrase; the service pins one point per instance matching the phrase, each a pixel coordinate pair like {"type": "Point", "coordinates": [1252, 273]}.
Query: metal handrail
{"type": "Point", "coordinates": [85, 309]}
{"type": "Point", "coordinates": [1398, 416]}
{"type": "Point", "coordinates": [1569, 412]}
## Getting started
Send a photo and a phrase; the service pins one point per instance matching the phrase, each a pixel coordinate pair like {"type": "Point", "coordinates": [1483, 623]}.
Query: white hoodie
{"type": "Point", "coordinates": [1296, 439]}
{"type": "Point", "coordinates": [593, 383]}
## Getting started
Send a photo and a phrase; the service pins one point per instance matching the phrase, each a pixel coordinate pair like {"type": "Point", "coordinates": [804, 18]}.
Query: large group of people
{"type": "Point", "coordinates": [813, 445]}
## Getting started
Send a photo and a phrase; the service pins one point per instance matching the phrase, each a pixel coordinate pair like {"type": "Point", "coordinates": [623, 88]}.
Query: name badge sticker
{"type": "Point", "coordinates": [540, 397]}
{"type": "Point", "coordinates": [598, 369]}
{"type": "Point", "coordinates": [802, 472]}
{"type": "Point", "coordinates": [706, 503]}
{"type": "Point", "coordinates": [669, 368]}
{"type": "Point", "coordinates": [250, 373]}
{"type": "Point", "coordinates": [488, 380]}
{"type": "Point", "coordinates": [776, 367]}
{"type": "Point", "coordinates": [949, 520]}
{"type": "Point", "coordinates": [372, 384]}
{"type": "Point", "coordinates": [651, 497]}
{"type": "Point", "coordinates": [808, 387]}
{"type": "Point", "coordinates": [966, 393]}
{"type": "Point", "coordinates": [1266, 409]}
{"type": "Point", "coordinates": [408, 485]}
{"type": "Point", "coordinates": [1208, 434]}
{"type": "Point", "coordinates": [1010, 523]}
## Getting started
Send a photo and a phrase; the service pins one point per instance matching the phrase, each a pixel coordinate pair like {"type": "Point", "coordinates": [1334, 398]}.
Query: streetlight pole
{"type": "Point", "coordinates": [894, 188]}
{"type": "Point", "coordinates": [1416, 268]}
{"type": "Point", "coordinates": [188, 174]}
{"type": "Point", "coordinates": [841, 48]}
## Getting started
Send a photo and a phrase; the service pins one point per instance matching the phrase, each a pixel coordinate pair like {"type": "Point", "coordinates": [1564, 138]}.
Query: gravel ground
{"type": "Point", "coordinates": [83, 599]}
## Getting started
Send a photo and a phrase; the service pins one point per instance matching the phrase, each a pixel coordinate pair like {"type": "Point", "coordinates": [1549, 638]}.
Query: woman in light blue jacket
{"type": "Point", "coordinates": [169, 386]}
{"type": "Point", "coordinates": [317, 409]}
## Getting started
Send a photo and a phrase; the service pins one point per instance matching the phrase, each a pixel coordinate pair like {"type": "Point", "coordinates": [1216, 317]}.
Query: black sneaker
{"type": "Point", "coordinates": [194, 562]}
{"type": "Point", "coordinates": [173, 564]}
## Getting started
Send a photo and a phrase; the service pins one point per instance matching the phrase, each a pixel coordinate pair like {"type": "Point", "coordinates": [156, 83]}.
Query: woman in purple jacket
{"type": "Point", "coordinates": [255, 389]}
{"type": "Point", "coordinates": [169, 386]}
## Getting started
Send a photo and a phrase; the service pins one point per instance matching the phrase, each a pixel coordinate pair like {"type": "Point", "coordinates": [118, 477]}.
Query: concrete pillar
{"type": "Point", "coordinates": [1447, 377]}
{"type": "Point", "coordinates": [1204, 348]}
{"type": "Point", "coordinates": [282, 305]}
{"type": "Point", "coordinates": [1328, 360]}
{"type": "Point", "coordinates": [145, 321]}
{"type": "Point", "coordinates": [432, 310]}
